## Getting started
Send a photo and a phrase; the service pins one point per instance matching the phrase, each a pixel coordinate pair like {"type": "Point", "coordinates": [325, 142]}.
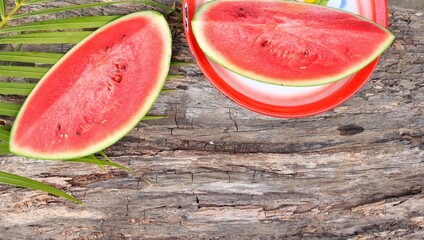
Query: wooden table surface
{"type": "Point", "coordinates": [219, 171]}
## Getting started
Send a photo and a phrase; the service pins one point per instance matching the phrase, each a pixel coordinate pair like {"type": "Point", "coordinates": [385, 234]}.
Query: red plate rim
{"type": "Point", "coordinates": [320, 106]}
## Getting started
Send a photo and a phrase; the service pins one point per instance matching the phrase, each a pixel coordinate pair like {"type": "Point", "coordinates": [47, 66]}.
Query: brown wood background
{"type": "Point", "coordinates": [218, 171]}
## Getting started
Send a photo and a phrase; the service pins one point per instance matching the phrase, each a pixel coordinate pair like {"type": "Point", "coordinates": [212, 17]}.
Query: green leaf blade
{"type": "Point", "coordinates": [64, 9]}
{"type": "Point", "coordinates": [11, 88]}
{"type": "Point", "coordinates": [6, 128]}
{"type": "Point", "coordinates": [29, 2]}
{"type": "Point", "coordinates": [62, 24]}
{"type": "Point", "coordinates": [4, 148]}
{"type": "Point", "coordinates": [85, 6]}
{"type": "Point", "coordinates": [9, 109]}
{"type": "Point", "coordinates": [94, 160]}
{"type": "Point", "coordinates": [31, 57]}
{"type": "Point", "coordinates": [182, 64]}
{"type": "Point", "coordinates": [46, 38]}
{"type": "Point", "coordinates": [3, 4]}
{"type": "Point", "coordinates": [147, 117]}
{"type": "Point", "coordinates": [23, 71]}
{"type": "Point", "coordinates": [12, 179]}
{"type": "Point", "coordinates": [5, 136]}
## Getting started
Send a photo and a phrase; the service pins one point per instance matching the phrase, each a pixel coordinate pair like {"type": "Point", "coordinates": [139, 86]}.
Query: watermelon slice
{"type": "Point", "coordinates": [97, 92]}
{"type": "Point", "coordinates": [287, 43]}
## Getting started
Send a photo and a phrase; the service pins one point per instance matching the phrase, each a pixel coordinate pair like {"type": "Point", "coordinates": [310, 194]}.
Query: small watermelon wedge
{"type": "Point", "coordinates": [287, 43]}
{"type": "Point", "coordinates": [97, 92]}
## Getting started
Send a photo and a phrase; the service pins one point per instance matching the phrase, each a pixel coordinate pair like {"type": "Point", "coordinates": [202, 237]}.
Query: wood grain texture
{"type": "Point", "coordinates": [218, 171]}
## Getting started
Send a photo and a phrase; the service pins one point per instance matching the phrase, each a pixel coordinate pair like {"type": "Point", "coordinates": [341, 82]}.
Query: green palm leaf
{"type": "Point", "coordinates": [84, 6]}
{"type": "Point", "coordinates": [29, 2]}
{"type": "Point", "coordinates": [94, 160]}
{"type": "Point", "coordinates": [7, 128]}
{"type": "Point", "coordinates": [57, 31]}
{"type": "Point", "coordinates": [12, 179]}
{"type": "Point", "coordinates": [182, 64]}
{"type": "Point", "coordinates": [23, 71]}
{"type": "Point", "coordinates": [3, 4]}
{"type": "Point", "coordinates": [4, 148]}
{"type": "Point", "coordinates": [9, 109]}
{"type": "Point", "coordinates": [31, 57]}
{"type": "Point", "coordinates": [63, 9]}
{"type": "Point", "coordinates": [4, 135]}
{"type": "Point", "coordinates": [12, 88]}
{"type": "Point", "coordinates": [46, 38]}
{"type": "Point", "coordinates": [153, 117]}
{"type": "Point", "coordinates": [62, 24]}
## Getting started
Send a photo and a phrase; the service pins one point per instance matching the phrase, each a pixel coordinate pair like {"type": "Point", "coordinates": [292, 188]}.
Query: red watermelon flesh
{"type": "Point", "coordinates": [97, 92]}
{"type": "Point", "coordinates": [287, 43]}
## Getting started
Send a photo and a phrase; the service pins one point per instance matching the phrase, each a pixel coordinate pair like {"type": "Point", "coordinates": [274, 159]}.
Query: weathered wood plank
{"type": "Point", "coordinates": [220, 171]}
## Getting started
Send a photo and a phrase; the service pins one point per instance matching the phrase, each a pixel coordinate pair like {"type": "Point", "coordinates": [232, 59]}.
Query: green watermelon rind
{"type": "Point", "coordinates": [163, 26]}
{"type": "Point", "coordinates": [213, 55]}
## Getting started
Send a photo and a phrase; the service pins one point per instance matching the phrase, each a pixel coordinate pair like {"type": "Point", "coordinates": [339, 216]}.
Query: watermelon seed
{"type": "Point", "coordinates": [59, 126]}
{"type": "Point", "coordinates": [264, 43]}
{"type": "Point", "coordinates": [80, 129]}
{"type": "Point", "coordinates": [106, 48]}
{"type": "Point", "coordinates": [242, 15]}
{"type": "Point", "coordinates": [123, 36]}
{"type": "Point", "coordinates": [120, 66]}
{"type": "Point", "coordinates": [117, 78]}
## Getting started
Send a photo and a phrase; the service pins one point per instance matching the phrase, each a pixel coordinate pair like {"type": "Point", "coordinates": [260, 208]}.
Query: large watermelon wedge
{"type": "Point", "coordinates": [97, 92]}
{"type": "Point", "coordinates": [287, 43]}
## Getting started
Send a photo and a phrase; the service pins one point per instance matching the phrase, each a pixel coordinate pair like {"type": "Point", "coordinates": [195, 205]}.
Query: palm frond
{"type": "Point", "coordinates": [12, 88]}
{"type": "Point", "coordinates": [146, 118]}
{"type": "Point", "coordinates": [12, 179]}
{"type": "Point", "coordinates": [88, 5]}
{"type": "Point", "coordinates": [3, 4]}
{"type": "Point", "coordinates": [182, 64]}
{"type": "Point", "coordinates": [9, 109]}
{"type": "Point", "coordinates": [56, 31]}
{"type": "Point", "coordinates": [7, 128]}
{"type": "Point", "coordinates": [4, 148]}
{"type": "Point", "coordinates": [29, 2]}
{"type": "Point", "coordinates": [46, 38]}
{"type": "Point", "coordinates": [62, 24]}
{"type": "Point", "coordinates": [63, 9]}
{"type": "Point", "coordinates": [23, 71]}
{"type": "Point", "coordinates": [4, 135]}
{"type": "Point", "coordinates": [94, 160]}
{"type": "Point", "coordinates": [175, 76]}
{"type": "Point", "coordinates": [31, 57]}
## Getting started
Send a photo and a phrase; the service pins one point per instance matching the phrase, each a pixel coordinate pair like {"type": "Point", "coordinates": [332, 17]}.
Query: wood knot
{"type": "Point", "coordinates": [350, 130]}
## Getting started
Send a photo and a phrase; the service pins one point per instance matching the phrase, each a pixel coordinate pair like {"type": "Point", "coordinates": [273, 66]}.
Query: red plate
{"type": "Point", "coordinates": [281, 101]}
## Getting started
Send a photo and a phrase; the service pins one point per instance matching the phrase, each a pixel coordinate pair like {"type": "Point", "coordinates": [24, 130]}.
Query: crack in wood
{"type": "Point", "coordinates": [231, 117]}
{"type": "Point", "coordinates": [388, 196]}
{"type": "Point", "coordinates": [84, 180]}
